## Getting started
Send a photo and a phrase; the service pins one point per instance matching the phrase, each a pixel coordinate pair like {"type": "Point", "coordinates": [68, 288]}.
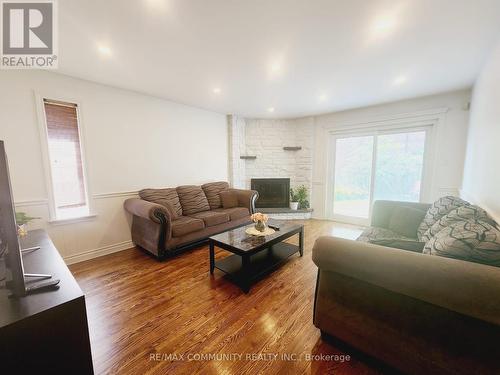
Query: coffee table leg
{"type": "Point", "coordinates": [212, 257]}
{"type": "Point", "coordinates": [245, 263]}
{"type": "Point", "coordinates": [301, 242]}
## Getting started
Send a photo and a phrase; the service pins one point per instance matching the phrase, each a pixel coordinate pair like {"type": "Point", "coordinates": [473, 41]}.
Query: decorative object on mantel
{"type": "Point", "coordinates": [292, 148]}
{"type": "Point", "coordinates": [254, 232]}
{"type": "Point", "coordinates": [260, 221]}
{"type": "Point", "coordinates": [248, 157]}
{"type": "Point", "coordinates": [22, 221]}
{"type": "Point", "coordinates": [299, 198]}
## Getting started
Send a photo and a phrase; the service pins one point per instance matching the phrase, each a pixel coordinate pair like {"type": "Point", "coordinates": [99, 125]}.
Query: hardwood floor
{"type": "Point", "coordinates": [139, 307]}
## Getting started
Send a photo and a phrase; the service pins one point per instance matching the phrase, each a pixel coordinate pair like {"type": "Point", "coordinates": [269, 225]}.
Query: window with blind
{"type": "Point", "coordinates": [66, 161]}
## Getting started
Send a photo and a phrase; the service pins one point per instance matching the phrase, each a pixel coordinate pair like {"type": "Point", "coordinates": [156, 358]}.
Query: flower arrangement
{"type": "Point", "coordinates": [258, 216]}
{"type": "Point", "coordinates": [260, 221]}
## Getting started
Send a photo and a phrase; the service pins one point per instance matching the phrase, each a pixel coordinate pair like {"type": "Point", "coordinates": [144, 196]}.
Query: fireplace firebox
{"type": "Point", "coordinates": [273, 192]}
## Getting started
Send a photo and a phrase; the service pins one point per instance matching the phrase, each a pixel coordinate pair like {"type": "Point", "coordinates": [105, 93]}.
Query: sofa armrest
{"type": "Point", "coordinates": [382, 211]}
{"type": "Point", "coordinates": [147, 210]}
{"type": "Point", "coordinates": [468, 288]}
{"type": "Point", "coordinates": [246, 198]}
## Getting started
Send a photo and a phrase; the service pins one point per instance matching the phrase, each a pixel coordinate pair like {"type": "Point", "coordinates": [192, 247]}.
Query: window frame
{"type": "Point", "coordinates": [44, 145]}
{"type": "Point", "coordinates": [376, 133]}
{"type": "Point", "coordinates": [431, 119]}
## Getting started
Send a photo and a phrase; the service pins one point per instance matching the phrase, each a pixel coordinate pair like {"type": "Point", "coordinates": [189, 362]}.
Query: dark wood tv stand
{"type": "Point", "coordinates": [45, 332]}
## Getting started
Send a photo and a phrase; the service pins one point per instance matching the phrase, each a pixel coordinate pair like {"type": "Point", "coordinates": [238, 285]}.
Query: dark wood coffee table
{"type": "Point", "coordinates": [254, 256]}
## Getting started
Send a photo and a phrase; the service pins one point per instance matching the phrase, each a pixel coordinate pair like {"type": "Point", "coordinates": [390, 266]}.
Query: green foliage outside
{"type": "Point", "coordinates": [398, 170]}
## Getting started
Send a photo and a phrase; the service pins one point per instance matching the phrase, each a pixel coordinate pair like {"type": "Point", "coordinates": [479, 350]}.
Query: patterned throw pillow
{"type": "Point", "coordinates": [166, 197]}
{"type": "Point", "coordinates": [212, 191]}
{"type": "Point", "coordinates": [439, 208]}
{"type": "Point", "coordinates": [463, 213]}
{"type": "Point", "coordinates": [193, 199]}
{"type": "Point", "coordinates": [473, 240]}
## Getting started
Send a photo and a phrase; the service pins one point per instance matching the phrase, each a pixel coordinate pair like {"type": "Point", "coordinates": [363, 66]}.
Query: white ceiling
{"type": "Point", "coordinates": [351, 53]}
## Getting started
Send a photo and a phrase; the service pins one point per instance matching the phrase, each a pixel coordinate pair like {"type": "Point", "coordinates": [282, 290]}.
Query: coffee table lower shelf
{"type": "Point", "coordinates": [260, 264]}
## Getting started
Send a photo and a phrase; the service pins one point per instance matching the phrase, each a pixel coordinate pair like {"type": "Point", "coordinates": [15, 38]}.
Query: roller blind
{"type": "Point", "coordinates": [65, 155]}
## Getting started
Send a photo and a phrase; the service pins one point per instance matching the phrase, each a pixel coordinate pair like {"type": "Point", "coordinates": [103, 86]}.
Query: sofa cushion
{"type": "Point", "coordinates": [406, 220]}
{"type": "Point", "coordinates": [375, 233]}
{"type": "Point", "coordinates": [193, 199]}
{"type": "Point", "coordinates": [185, 225]}
{"type": "Point", "coordinates": [472, 240]}
{"type": "Point", "coordinates": [166, 197]}
{"type": "Point", "coordinates": [212, 191]}
{"type": "Point", "coordinates": [463, 213]}
{"type": "Point", "coordinates": [235, 213]}
{"type": "Point", "coordinates": [212, 218]}
{"type": "Point", "coordinates": [439, 208]}
{"type": "Point", "coordinates": [229, 199]}
{"type": "Point", "coordinates": [414, 246]}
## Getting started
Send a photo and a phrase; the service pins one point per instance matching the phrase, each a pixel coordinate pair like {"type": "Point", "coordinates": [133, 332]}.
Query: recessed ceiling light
{"type": "Point", "coordinates": [275, 67]}
{"type": "Point", "coordinates": [157, 4]}
{"type": "Point", "coordinates": [270, 109]}
{"type": "Point", "coordinates": [383, 25]}
{"type": "Point", "coordinates": [216, 90]}
{"type": "Point", "coordinates": [104, 50]}
{"type": "Point", "coordinates": [400, 80]}
{"type": "Point", "coordinates": [322, 98]}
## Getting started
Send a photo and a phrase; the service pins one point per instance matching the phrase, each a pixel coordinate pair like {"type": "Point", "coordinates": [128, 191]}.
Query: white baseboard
{"type": "Point", "coordinates": [99, 252]}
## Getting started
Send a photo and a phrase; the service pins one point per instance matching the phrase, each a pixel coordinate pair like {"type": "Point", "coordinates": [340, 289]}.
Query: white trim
{"type": "Point", "coordinates": [99, 252]}
{"type": "Point", "coordinates": [426, 115]}
{"type": "Point", "coordinates": [34, 202]}
{"type": "Point", "coordinates": [42, 126]}
{"type": "Point", "coordinates": [72, 220]}
{"type": "Point", "coordinates": [472, 199]}
{"type": "Point", "coordinates": [376, 128]}
{"type": "Point", "coordinates": [45, 202]}
{"type": "Point", "coordinates": [117, 194]}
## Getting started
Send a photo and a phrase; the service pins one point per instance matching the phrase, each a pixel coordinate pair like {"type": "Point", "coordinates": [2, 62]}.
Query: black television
{"type": "Point", "coordinates": [9, 240]}
{"type": "Point", "coordinates": [10, 248]}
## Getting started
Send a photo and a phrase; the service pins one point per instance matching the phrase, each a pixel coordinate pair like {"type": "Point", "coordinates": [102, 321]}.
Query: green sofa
{"type": "Point", "coordinates": [418, 311]}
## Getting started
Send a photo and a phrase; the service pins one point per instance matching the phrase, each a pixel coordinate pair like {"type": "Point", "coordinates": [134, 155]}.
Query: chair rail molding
{"type": "Point", "coordinates": [67, 228]}
{"type": "Point", "coordinates": [31, 202]}
{"type": "Point", "coordinates": [116, 194]}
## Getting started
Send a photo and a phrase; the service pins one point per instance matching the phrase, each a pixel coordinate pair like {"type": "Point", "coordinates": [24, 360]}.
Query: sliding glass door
{"type": "Point", "coordinates": [373, 166]}
{"type": "Point", "coordinates": [353, 176]}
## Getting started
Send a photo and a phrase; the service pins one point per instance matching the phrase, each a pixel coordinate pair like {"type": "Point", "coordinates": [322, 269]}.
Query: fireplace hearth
{"type": "Point", "coordinates": [273, 192]}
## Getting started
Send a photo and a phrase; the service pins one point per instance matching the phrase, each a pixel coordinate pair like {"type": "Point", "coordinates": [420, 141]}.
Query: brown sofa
{"type": "Point", "coordinates": [421, 314]}
{"type": "Point", "coordinates": [168, 221]}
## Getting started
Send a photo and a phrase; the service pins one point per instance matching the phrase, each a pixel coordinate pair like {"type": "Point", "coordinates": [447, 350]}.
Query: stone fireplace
{"type": "Point", "coordinates": [271, 156]}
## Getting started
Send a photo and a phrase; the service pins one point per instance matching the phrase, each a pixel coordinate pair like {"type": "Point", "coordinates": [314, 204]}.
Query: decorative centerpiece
{"type": "Point", "coordinates": [260, 229]}
{"type": "Point", "coordinates": [22, 221]}
{"type": "Point", "coordinates": [260, 221]}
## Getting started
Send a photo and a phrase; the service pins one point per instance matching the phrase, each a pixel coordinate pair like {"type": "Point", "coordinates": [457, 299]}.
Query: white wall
{"type": "Point", "coordinates": [132, 141]}
{"type": "Point", "coordinates": [481, 183]}
{"type": "Point", "coordinates": [450, 140]}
